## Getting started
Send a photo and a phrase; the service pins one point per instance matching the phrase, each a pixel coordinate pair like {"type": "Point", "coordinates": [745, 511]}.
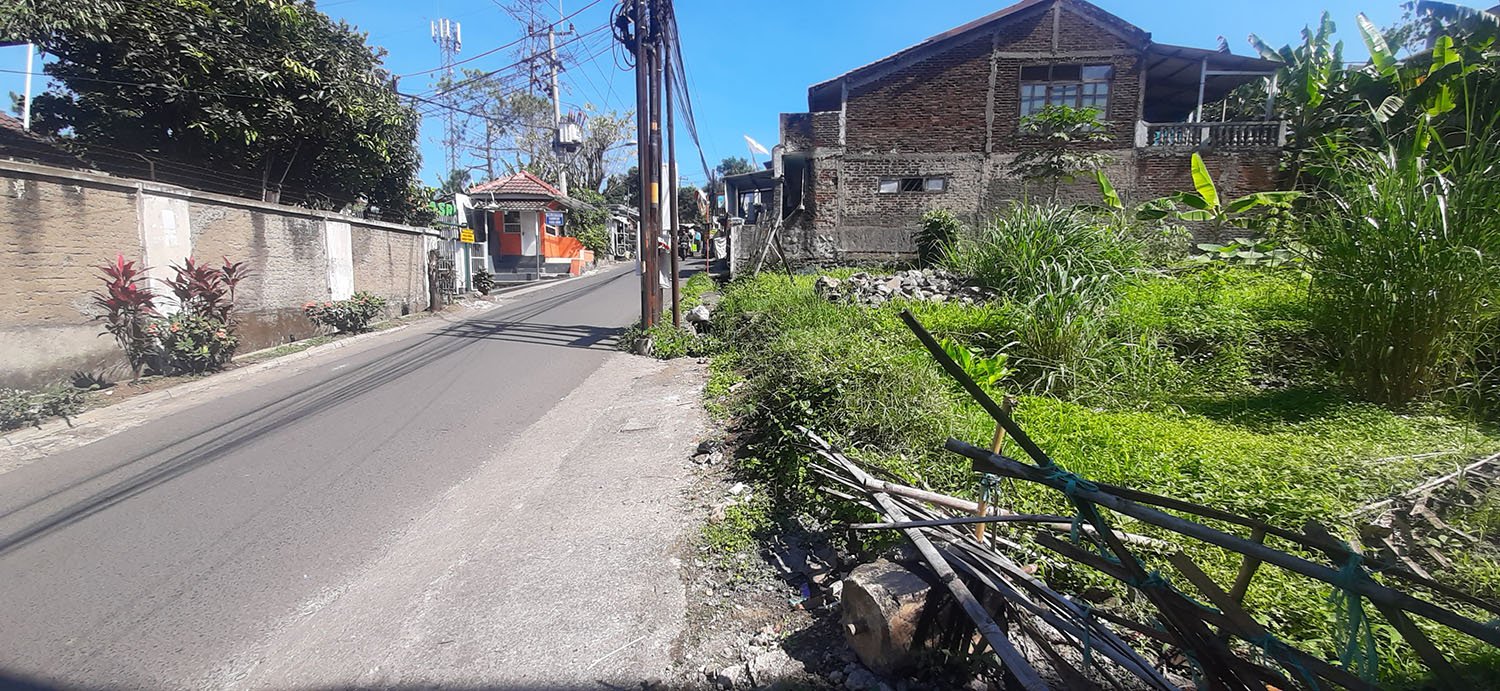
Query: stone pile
{"type": "Point", "coordinates": [929, 285]}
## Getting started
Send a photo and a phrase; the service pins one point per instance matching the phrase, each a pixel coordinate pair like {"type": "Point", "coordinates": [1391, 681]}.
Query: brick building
{"type": "Point", "coordinates": [937, 125]}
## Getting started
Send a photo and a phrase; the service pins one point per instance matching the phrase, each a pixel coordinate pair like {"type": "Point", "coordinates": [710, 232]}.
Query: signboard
{"type": "Point", "coordinates": [555, 219]}
{"type": "Point", "coordinates": [465, 234]}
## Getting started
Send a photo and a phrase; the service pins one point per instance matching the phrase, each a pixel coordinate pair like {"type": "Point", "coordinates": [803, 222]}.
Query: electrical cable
{"type": "Point", "coordinates": [480, 77]}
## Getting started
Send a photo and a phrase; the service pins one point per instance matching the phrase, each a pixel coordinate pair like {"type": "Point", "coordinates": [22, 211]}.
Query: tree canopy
{"type": "Point", "coordinates": [239, 96]}
{"type": "Point", "coordinates": [733, 165]}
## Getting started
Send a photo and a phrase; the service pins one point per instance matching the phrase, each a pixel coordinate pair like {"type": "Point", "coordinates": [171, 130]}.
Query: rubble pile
{"type": "Point", "coordinates": [929, 285]}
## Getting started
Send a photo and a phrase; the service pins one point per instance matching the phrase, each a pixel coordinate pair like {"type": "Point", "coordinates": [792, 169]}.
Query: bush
{"type": "Point", "coordinates": [1404, 266]}
{"type": "Point", "coordinates": [346, 316]}
{"type": "Point", "coordinates": [665, 342]}
{"type": "Point", "coordinates": [1023, 251]}
{"type": "Point", "coordinates": [19, 408]}
{"type": "Point", "coordinates": [484, 281]}
{"type": "Point", "coordinates": [197, 337]}
{"type": "Point", "coordinates": [193, 343]}
{"type": "Point", "coordinates": [940, 229]}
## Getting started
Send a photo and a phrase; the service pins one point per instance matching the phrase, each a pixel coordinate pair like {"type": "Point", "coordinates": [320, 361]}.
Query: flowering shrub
{"type": "Point", "coordinates": [346, 316]}
{"type": "Point", "coordinates": [197, 338]}
{"type": "Point", "coordinates": [193, 342]}
{"type": "Point", "coordinates": [128, 305]}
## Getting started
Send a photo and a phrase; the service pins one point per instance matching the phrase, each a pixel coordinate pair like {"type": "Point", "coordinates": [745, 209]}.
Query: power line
{"type": "Point", "coordinates": [116, 82]}
{"type": "Point", "coordinates": [522, 61]}
{"type": "Point", "coordinates": [679, 82]}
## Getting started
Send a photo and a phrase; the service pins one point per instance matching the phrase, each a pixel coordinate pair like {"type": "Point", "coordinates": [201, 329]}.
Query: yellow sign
{"type": "Point", "coordinates": [465, 234]}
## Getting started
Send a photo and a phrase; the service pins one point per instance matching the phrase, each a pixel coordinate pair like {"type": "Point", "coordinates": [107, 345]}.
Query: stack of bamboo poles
{"type": "Point", "coordinates": [1225, 645]}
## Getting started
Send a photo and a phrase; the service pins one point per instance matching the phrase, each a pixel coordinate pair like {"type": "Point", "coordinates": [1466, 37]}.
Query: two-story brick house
{"type": "Point", "coordinates": [937, 125]}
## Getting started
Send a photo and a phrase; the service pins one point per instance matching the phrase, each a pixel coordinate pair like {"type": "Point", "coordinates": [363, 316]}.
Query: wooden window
{"type": "Point", "coordinates": [512, 222]}
{"type": "Point", "coordinates": [930, 183]}
{"type": "Point", "coordinates": [1076, 86]}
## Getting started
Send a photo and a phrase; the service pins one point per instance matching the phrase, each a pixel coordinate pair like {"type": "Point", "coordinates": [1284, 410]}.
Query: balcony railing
{"type": "Point", "coordinates": [1222, 135]}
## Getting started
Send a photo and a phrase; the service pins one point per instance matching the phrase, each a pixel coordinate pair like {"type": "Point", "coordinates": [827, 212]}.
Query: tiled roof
{"type": "Point", "coordinates": [517, 205]}
{"type": "Point", "coordinates": [18, 144]}
{"type": "Point", "coordinates": [522, 183]}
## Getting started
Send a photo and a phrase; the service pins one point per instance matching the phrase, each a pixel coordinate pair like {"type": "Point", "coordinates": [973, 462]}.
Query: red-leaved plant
{"type": "Point", "coordinates": [129, 305]}
{"type": "Point", "coordinates": [200, 336]}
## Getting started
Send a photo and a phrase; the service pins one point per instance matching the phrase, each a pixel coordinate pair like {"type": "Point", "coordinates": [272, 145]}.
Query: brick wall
{"type": "Point", "coordinates": [57, 226]}
{"type": "Point", "coordinates": [937, 104]}
{"type": "Point", "coordinates": [797, 131]}
{"type": "Point", "coordinates": [825, 128]}
{"type": "Point", "coordinates": [955, 113]}
{"type": "Point", "coordinates": [52, 234]}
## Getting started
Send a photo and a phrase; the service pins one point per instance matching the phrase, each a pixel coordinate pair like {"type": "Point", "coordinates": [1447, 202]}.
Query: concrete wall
{"type": "Point", "coordinates": [57, 226]}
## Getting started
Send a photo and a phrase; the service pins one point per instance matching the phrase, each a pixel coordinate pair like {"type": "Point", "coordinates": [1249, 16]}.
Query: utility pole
{"type": "Point", "coordinates": [674, 204]}
{"type": "Point", "coordinates": [658, 185]}
{"type": "Point", "coordinates": [558, 145]}
{"type": "Point", "coordinates": [26, 104]}
{"type": "Point", "coordinates": [646, 243]}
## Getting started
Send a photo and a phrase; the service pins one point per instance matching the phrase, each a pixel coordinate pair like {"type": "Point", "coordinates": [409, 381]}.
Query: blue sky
{"type": "Point", "coordinates": [747, 62]}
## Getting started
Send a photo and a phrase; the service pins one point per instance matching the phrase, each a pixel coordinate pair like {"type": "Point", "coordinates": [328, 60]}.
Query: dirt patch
{"type": "Point", "coordinates": [750, 624]}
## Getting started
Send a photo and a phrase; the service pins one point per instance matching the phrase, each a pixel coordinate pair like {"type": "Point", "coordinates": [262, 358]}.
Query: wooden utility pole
{"type": "Point", "coordinates": [645, 242]}
{"type": "Point", "coordinates": [655, 61]}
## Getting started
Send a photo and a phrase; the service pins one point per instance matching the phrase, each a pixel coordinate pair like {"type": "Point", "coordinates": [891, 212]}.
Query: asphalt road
{"type": "Point", "coordinates": [335, 524]}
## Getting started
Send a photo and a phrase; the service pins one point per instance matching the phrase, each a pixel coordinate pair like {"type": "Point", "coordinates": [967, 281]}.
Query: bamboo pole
{"type": "Point", "coordinates": [992, 633]}
{"type": "Point", "coordinates": [1376, 593]}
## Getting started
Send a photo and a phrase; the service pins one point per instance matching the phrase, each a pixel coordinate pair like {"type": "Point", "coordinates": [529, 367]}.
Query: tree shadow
{"type": "Point", "coordinates": [1268, 406]}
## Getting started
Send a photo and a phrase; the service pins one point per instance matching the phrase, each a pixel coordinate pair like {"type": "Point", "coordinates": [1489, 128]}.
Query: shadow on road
{"type": "Point", "coordinates": [206, 446]}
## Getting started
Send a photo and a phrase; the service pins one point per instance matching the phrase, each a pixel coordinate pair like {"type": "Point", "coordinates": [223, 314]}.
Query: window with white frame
{"type": "Point", "coordinates": [512, 222]}
{"type": "Point", "coordinates": [930, 183]}
{"type": "Point", "coordinates": [1076, 86]}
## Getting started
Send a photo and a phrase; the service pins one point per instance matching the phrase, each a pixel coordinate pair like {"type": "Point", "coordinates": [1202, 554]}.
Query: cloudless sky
{"type": "Point", "coordinates": [748, 62]}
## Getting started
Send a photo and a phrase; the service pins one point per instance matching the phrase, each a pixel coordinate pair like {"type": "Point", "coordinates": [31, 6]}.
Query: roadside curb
{"type": "Point", "coordinates": [29, 437]}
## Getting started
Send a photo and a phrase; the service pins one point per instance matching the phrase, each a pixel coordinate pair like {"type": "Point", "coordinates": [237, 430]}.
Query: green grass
{"type": "Point", "coordinates": [1208, 386]}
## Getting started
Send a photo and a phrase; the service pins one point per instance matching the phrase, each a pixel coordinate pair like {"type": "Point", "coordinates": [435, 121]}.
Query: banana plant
{"type": "Point", "coordinates": [1417, 93]}
{"type": "Point", "coordinates": [1310, 75]}
{"type": "Point", "coordinates": [1204, 205]}
{"type": "Point", "coordinates": [987, 371]}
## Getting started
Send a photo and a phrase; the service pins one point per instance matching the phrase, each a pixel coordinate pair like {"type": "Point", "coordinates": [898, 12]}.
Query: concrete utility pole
{"type": "Point", "coordinates": [557, 133]}
{"type": "Point", "coordinates": [26, 104]}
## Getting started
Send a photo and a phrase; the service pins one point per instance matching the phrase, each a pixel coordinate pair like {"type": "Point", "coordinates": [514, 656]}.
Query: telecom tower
{"type": "Point", "coordinates": [448, 35]}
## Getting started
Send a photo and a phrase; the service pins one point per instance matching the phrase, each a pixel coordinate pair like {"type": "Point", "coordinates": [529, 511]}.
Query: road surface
{"type": "Point", "coordinates": [481, 503]}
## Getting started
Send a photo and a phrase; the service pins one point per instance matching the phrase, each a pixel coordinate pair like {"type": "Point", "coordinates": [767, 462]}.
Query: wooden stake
{"type": "Point", "coordinates": [996, 445]}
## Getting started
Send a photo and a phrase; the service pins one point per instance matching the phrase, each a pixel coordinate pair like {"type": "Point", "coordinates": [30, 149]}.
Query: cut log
{"type": "Point", "coordinates": [883, 602]}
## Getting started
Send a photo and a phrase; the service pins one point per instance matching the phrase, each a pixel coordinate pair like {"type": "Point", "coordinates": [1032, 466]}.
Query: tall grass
{"type": "Point", "coordinates": [1060, 269]}
{"type": "Point", "coordinates": [1023, 251]}
{"type": "Point", "coordinates": [1404, 266]}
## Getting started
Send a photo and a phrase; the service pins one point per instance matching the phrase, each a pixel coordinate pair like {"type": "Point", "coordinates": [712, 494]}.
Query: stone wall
{"type": "Point", "coordinates": [57, 226]}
